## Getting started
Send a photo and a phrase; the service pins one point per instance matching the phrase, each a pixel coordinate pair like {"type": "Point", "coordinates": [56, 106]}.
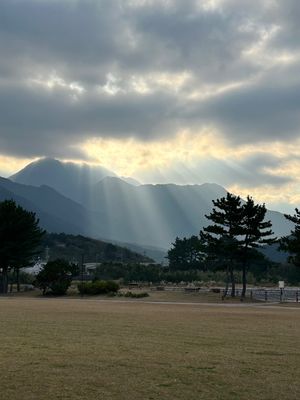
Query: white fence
{"type": "Point", "coordinates": [275, 295]}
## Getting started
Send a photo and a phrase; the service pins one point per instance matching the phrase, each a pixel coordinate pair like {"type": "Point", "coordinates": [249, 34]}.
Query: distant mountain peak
{"type": "Point", "coordinates": [130, 180]}
{"type": "Point", "coordinates": [211, 185]}
{"type": "Point", "coordinates": [114, 180]}
{"type": "Point", "coordinates": [107, 206]}
{"type": "Point", "coordinates": [47, 160]}
{"type": "Point", "coordinates": [69, 178]}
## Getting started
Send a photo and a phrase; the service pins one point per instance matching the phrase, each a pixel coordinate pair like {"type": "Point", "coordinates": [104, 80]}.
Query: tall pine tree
{"type": "Point", "coordinates": [221, 236]}
{"type": "Point", "coordinates": [291, 243]}
{"type": "Point", "coordinates": [20, 236]}
{"type": "Point", "coordinates": [255, 232]}
{"type": "Point", "coordinates": [238, 230]}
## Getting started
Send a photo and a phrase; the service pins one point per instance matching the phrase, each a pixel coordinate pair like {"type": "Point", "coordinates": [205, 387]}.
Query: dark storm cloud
{"type": "Point", "coordinates": [286, 14]}
{"type": "Point", "coordinates": [85, 38]}
{"type": "Point", "coordinates": [84, 41]}
{"type": "Point", "coordinates": [259, 113]}
{"type": "Point", "coordinates": [36, 119]}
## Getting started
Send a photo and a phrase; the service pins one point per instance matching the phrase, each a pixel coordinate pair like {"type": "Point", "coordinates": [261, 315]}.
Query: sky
{"type": "Point", "coordinates": [175, 91]}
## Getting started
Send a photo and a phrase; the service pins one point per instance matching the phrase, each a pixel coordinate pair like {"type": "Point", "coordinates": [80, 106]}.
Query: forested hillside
{"type": "Point", "coordinates": [72, 248]}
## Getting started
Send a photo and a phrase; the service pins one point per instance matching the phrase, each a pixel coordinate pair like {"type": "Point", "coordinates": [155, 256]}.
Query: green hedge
{"type": "Point", "coordinates": [136, 295]}
{"type": "Point", "coordinates": [98, 287]}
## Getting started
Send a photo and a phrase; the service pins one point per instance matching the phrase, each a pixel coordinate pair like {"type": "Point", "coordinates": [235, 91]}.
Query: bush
{"type": "Point", "coordinates": [98, 287]}
{"type": "Point", "coordinates": [56, 277]}
{"type": "Point", "coordinates": [136, 295]}
{"type": "Point", "coordinates": [215, 290]}
{"type": "Point", "coordinates": [60, 288]}
{"type": "Point", "coordinates": [85, 287]}
{"type": "Point", "coordinates": [112, 286]}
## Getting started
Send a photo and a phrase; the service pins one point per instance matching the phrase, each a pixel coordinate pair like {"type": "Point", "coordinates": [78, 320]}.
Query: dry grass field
{"type": "Point", "coordinates": [90, 349]}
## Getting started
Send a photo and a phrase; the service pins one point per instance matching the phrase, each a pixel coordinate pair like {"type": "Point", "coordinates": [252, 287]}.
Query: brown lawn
{"type": "Point", "coordinates": [89, 349]}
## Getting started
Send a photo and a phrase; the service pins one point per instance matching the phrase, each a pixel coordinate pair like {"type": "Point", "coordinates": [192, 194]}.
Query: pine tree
{"type": "Point", "coordinates": [221, 236]}
{"type": "Point", "coordinates": [20, 236]}
{"type": "Point", "coordinates": [255, 232]}
{"type": "Point", "coordinates": [238, 230]}
{"type": "Point", "coordinates": [291, 243]}
{"type": "Point", "coordinates": [185, 254]}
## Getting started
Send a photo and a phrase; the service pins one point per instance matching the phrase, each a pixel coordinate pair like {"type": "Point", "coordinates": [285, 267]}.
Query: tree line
{"type": "Point", "coordinates": [230, 242]}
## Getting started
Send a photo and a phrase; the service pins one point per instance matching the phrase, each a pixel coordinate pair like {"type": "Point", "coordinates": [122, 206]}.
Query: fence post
{"type": "Point", "coordinates": [297, 296]}
{"type": "Point", "coordinates": [251, 294]}
{"type": "Point", "coordinates": [266, 295]}
{"type": "Point", "coordinates": [281, 293]}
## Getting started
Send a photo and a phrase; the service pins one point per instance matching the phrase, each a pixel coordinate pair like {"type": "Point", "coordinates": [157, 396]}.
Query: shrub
{"type": "Point", "coordinates": [85, 288]}
{"type": "Point", "coordinates": [60, 288]}
{"type": "Point", "coordinates": [98, 287]}
{"type": "Point", "coordinates": [56, 277]}
{"type": "Point", "coordinates": [136, 295]}
{"type": "Point", "coordinates": [112, 286]}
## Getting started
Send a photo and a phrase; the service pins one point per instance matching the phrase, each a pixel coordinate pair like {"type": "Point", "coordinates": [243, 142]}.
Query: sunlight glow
{"type": "Point", "coordinates": [128, 156]}
{"type": "Point", "coordinates": [156, 162]}
{"type": "Point", "coordinates": [274, 198]}
{"type": "Point", "coordinates": [190, 158]}
{"type": "Point", "coordinates": [11, 165]}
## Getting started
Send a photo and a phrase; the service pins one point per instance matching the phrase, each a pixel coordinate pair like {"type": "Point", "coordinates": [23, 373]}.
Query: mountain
{"type": "Point", "coordinates": [56, 212]}
{"type": "Point", "coordinates": [118, 211]}
{"type": "Point", "coordinates": [70, 179]}
{"type": "Point", "coordinates": [72, 247]}
{"type": "Point", "coordinates": [272, 253]}
{"type": "Point", "coordinates": [156, 214]}
{"type": "Point", "coordinates": [59, 214]}
{"type": "Point", "coordinates": [130, 180]}
{"type": "Point", "coordinates": [151, 214]}
{"type": "Point", "coordinates": [155, 253]}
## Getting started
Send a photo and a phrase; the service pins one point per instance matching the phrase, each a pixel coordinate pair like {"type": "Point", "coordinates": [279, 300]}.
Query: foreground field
{"type": "Point", "coordinates": [85, 349]}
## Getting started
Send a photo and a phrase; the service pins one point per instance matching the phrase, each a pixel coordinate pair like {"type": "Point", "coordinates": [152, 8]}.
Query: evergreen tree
{"type": "Point", "coordinates": [230, 242]}
{"type": "Point", "coordinates": [255, 232]}
{"type": "Point", "coordinates": [221, 237]}
{"type": "Point", "coordinates": [237, 231]}
{"type": "Point", "coordinates": [291, 243]}
{"type": "Point", "coordinates": [56, 277]}
{"type": "Point", "coordinates": [20, 236]}
{"type": "Point", "coordinates": [185, 254]}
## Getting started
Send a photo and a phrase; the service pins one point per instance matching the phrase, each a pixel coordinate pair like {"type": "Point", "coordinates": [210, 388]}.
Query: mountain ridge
{"type": "Point", "coordinates": [145, 215]}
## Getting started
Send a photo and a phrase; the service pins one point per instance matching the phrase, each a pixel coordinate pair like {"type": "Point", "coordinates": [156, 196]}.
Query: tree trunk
{"type": "Point", "coordinates": [5, 276]}
{"type": "Point", "coordinates": [1, 283]}
{"type": "Point", "coordinates": [11, 284]}
{"type": "Point", "coordinates": [18, 279]}
{"type": "Point", "coordinates": [12, 280]}
{"type": "Point", "coordinates": [232, 283]}
{"type": "Point", "coordinates": [4, 282]}
{"type": "Point", "coordinates": [227, 284]}
{"type": "Point", "coordinates": [244, 278]}
{"type": "Point", "coordinates": [244, 273]}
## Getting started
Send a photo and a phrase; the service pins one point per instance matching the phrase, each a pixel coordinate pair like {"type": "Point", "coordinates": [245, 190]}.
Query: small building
{"type": "Point", "coordinates": [89, 268]}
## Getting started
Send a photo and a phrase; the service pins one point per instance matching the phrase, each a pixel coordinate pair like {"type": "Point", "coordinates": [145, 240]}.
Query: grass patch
{"type": "Point", "coordinates": [88, 349]}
